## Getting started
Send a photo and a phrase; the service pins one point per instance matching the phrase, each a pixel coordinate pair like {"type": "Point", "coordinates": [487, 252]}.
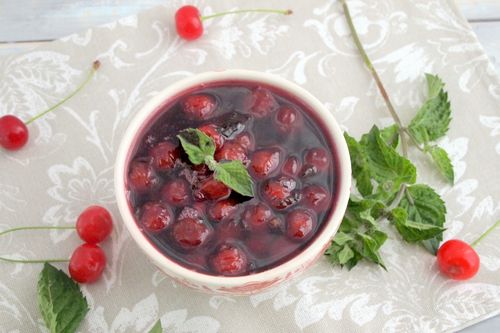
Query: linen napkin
{"type": "Point", "coordinates": [68, 163]}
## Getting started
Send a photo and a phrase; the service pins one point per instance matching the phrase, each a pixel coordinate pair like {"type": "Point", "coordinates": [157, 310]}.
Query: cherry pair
{"type": "Point", "coordinates": [94, 225]}
{"type": "Point", "coordinates": [87, 262]}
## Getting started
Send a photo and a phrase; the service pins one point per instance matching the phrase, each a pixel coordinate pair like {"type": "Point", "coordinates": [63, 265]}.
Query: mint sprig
{"type": "Point", "coordinates": [385, 178]}
{"type": "Point", "coordinates": [60, 301]}
{"type": "Point", "coordinates": [200, 149]}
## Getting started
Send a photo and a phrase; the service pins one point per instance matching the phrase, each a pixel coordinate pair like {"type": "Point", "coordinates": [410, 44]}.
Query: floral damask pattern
{"type": "Point", "coordinates": [69, 162]}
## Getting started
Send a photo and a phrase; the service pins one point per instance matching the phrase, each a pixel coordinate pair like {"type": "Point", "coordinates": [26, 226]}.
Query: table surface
{"type": "Point", "coordinates": [29, 23]}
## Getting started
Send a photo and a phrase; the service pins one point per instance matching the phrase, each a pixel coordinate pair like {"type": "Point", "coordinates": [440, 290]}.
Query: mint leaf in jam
{"type": "Point", "coordinates": [200, 149]}
{"type": "Point", "coordinates": [197, 145]}
{"type": "Point", "coordinates": [60, 301]}
{"type": "Point", "coordinates": [443, 162]}
{"type": "Point", "coordinates": [234, 175]}
{"type": "Point", "coordinates": [433, 118]}
{"type": "Point", "coordinates": [157, 328]}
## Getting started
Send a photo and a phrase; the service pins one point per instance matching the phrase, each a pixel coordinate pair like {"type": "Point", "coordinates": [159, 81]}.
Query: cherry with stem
{"type": "Point", "coordinates": [14, 132]}
{"type": "Point", "coordinates": [87, 261]}
{"type": "Point", "coordinates": [189, 21]}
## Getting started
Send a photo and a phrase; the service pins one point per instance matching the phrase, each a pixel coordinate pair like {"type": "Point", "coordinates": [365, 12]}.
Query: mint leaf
{"type": "Point", "coordinates": [157, 328]}
{"type": "Point", "coordinates": [345, 255]}
{"type": "Point", "coordinates": [386, 165]}
{"type": "Point", "coordinates": [60, 301]}
{"type": "Point", "coordinates": [197, 145]}
{"type": "Point", "coordinates": [443, 162]}
{"type": "Point", "coordinates": [424, 205]}
{"type": "Point", "coordinates": [359, 166]}
{"type": "Point", "coordinates": [390, 135]}
{"type": "Point", "coordinates": [358, 236]}
{"type": "Point", "coordinates": [434, 85]}
{"type": "Point", "coordinates": [432, 120]}
{"type": "Point", "coordinates": [342, 238]}
{"type": "Point", "coordinates": [234, 175]}
{"type": "Point", "coordinates": [413, 231]}
{"type": "Point", "coordinates": [371, 245]}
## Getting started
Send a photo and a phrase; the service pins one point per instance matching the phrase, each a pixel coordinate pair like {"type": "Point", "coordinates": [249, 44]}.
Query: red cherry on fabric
{"type": "Point", "coordinates": [87, 263]}
{"type": "Point", "coordinates": [94, 224]}
{"type": "Point", "coordinates": [13, 132]}
{"type": "Point", "coordinates": [457, 260]}
{"type": "Point", "coordinates": [188, 22]}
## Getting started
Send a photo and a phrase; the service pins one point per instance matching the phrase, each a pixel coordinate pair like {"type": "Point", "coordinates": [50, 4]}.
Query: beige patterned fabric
{"type": "Point", "coordinates": [68, 163]}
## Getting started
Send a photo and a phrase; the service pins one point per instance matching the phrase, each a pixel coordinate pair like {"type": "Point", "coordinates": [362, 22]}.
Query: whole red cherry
{"type": "Point", "coordinates": [188, 22]}
{"type": "Point", "coordinates": [13, 132]}
{"type": "Point", "coordinates": [87, 263]}
{"type": "Point", "coordinates": [458, 260]}
{"type": "Point", "coordinates": [94, 224]}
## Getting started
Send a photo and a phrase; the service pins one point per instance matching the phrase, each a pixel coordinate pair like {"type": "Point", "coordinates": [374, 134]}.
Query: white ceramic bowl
{"type": "Point", "coordinates": [254, 282]}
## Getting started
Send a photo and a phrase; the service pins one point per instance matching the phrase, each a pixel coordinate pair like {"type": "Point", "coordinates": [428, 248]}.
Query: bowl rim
{"type": "Point", "coordinates": [288, 267]}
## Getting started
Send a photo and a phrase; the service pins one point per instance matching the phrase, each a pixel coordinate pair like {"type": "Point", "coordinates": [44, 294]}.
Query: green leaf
{"type": "Point", "coordinates": [424, 205]}
{"type": "Point", "coordinates": [235, 175]}
{"type": "Point", "coordinates": [443, 162]}
{"type": "Point", "coordinates": [197, 145]}
{"type": "Point", "coordinates": [345, 255]}
{"type": "Point", "coordinates": [60, 301]}
{"type": "Point", "coordinates": [359, 166]}
{"type": "Point", "coordinates": [157, 328]}
{"type": "Point", "coordinates": [390, 135]}
{"type": "Point", "coordinates": [371, 246]}
{"type": "Point", "coordinates": [341, 238]}
{"type": "Point", "coordinates": [386, 165]}
{"type": "Point", "coordinates": [432, 120]}
{"type": "Point", "coordinates": [434, 85]}
{"type": "Point", "coordinates": [413, 231]}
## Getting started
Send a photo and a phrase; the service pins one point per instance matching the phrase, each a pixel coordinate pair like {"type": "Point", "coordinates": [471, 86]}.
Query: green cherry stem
{"type": "Point", "coordinates": [95, 66]}
{"type": "Point", "coordinates": [240, 11]}
{"type": "Point", "coordinates": [34, 261]}
{"type": "Point", "coordinates": [486, 233]}
{"type": "Point", "coordinates": [376, 77]}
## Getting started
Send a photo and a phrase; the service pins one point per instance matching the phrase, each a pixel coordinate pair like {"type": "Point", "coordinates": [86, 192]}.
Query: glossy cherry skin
{"type": "Point", "coordinates": [457, 260]}
{"type": "Point", "coordinates": [87, 263]}
{"type": "Point", "coordinates": [300, 224]}
{"type": "Point", "coordinates": [164, 155]}
{"type": "Point", "coordinates": [230, 260]}
{"type": "Point", "coordinates": [13, 132]}
{"type": "Point", "coordinates": [316, 197]}
{"type": "Point", "coordinates": [188, 22]}
{"type": "Point", "coordinates": [156, 216]}
{"type": "Point", "coordinates": [317, 157]}
{"type": "Point", "coordinates": [199, 106]}
{"type": "Point", "coordinates": [94, 224]}
{"type": "Point", "coordinates": [176, 192]}
{"type": "Point", "coordinates": [256, 217]}
{"type": "Point", "coordinates": [142, 177]}
{"type": "Point", "coordinates": [264, 162]}
{"type": "Point", "coordinates": [190, 233]}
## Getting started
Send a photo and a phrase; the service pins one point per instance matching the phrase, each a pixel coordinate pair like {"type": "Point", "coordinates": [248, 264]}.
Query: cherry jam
{"type": "Point", "coordinates": [201, 223]}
